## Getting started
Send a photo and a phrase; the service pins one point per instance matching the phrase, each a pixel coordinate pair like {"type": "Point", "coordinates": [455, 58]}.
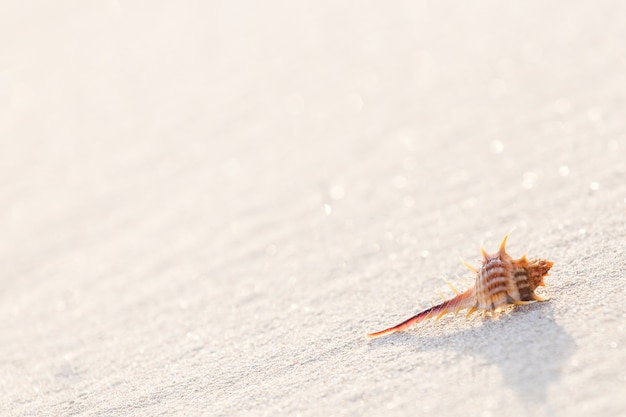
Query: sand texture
{"type": "Point", "coordinates": [206, 206]}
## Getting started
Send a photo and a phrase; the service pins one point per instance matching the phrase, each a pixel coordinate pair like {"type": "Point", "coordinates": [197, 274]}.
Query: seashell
{"type": "Point", "coordinates": [501, 281]}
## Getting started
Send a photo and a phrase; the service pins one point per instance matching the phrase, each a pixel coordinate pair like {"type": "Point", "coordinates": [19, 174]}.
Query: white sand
{"type": "Point", "coordinates": [205, 208]}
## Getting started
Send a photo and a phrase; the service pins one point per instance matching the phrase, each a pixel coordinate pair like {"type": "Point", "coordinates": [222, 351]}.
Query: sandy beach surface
{"type": "Point", "coordinates": [206, 206]}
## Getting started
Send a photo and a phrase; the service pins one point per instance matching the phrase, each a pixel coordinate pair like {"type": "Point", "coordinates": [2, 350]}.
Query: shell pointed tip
{"type": "Point", "coordinates": [375, 335]}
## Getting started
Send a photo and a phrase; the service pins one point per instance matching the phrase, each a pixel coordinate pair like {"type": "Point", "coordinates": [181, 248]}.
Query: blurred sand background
{"type": "Point", "coordinates": [205, 206]}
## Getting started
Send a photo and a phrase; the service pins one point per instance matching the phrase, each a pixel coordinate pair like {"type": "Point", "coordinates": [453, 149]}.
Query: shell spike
{"type": "Point", "coordinates": [503, 244]}
{"type": "Point", "coordinates": [468, 266]}
{"type": "Point", "coordinates": [483, 252]}
{"type": "Point", "coordinates": [452, 287]}
{"type": "Point", "coordinates": [440, 315]}
{"type": "Point", "coordinates": [463, 280]}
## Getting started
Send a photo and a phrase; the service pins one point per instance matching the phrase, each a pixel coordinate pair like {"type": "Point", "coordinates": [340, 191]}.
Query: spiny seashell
{"type": "Point", "coordinates": [500, 281]}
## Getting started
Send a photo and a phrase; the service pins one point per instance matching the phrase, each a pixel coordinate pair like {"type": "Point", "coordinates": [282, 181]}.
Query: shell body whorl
{"type": "Point", "coordinates": [493, 287]}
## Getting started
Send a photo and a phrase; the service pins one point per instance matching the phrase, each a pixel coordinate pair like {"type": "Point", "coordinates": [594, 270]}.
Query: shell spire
{"type": "Point", "coordinates": [501, 281]}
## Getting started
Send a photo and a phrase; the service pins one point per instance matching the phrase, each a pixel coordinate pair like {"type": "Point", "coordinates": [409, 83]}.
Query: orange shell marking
{"type": "Point", "coordinates": [500, 281]}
